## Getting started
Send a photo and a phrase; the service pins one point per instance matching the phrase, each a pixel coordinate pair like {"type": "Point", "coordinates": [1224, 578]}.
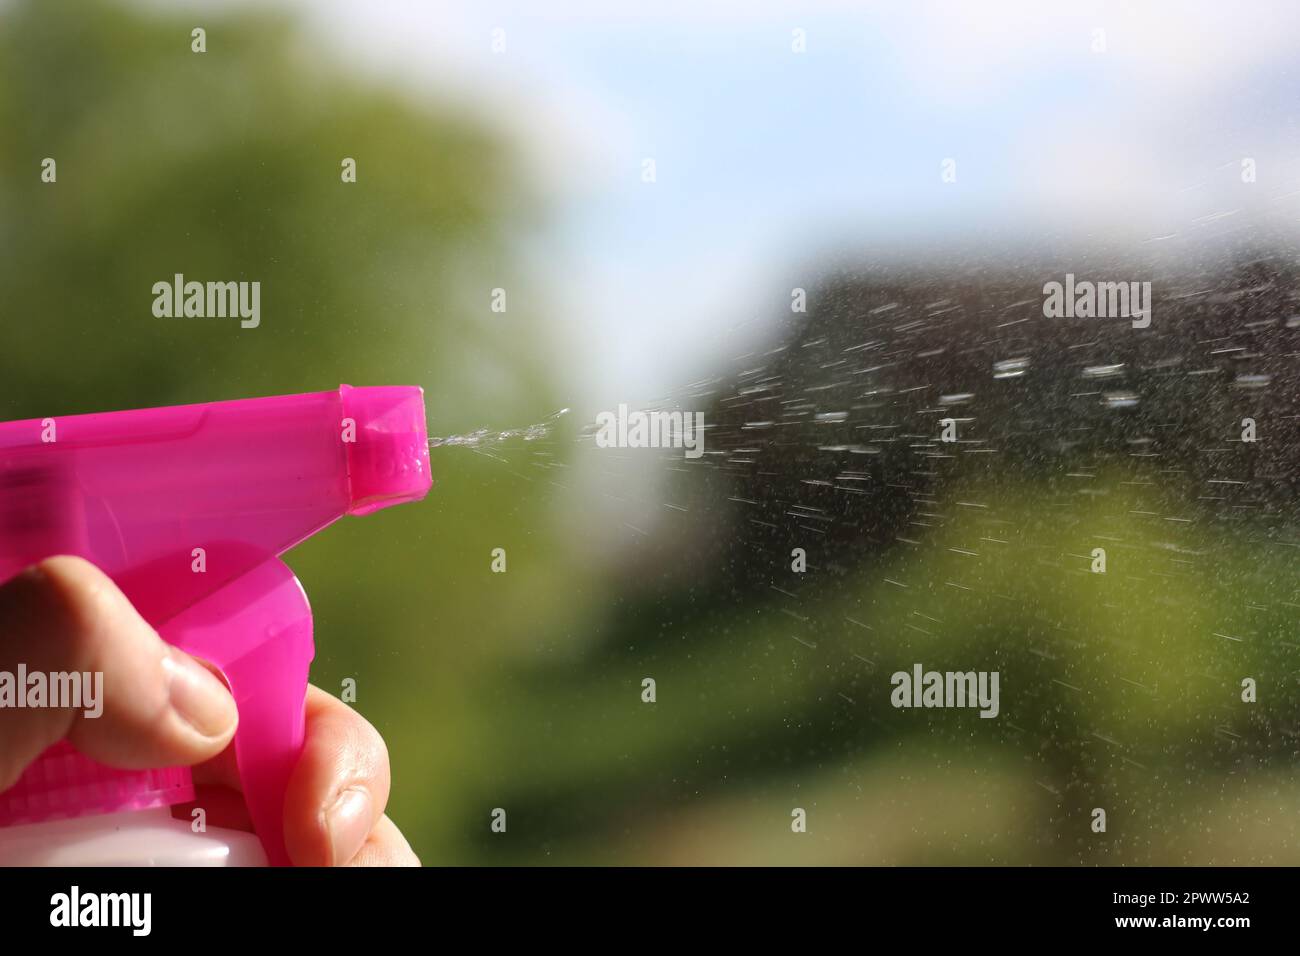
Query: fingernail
{"type": "Point", "coordinates": [348, 824]}
{"type": "Point", "coordinates": [198, 696]}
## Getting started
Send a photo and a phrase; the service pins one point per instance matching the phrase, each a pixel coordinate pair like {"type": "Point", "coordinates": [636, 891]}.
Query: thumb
{"type": "Point", "coordinates": [157, 706]}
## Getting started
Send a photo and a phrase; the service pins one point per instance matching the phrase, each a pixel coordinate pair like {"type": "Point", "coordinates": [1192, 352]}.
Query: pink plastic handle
{"type": "Point", "coordinates": [187, 509]}
{"type": "Point", "coordinates": [257, 630]}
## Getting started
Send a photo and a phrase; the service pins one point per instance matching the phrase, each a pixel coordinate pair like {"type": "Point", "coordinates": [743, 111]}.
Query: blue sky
{"type": "Point", "coordinates": [769, 161]}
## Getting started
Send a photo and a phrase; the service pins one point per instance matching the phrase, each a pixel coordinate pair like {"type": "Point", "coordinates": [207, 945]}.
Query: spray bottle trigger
{"type": "Point", "coordinates": [258, 631]}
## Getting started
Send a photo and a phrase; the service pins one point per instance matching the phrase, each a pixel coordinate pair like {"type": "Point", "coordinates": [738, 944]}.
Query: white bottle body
{"type": "Point", "coordinates": [136, 838]}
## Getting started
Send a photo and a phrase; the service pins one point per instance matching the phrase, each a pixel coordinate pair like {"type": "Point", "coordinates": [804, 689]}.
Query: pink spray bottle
{"type": "Point", "coordinates": [187, 510]}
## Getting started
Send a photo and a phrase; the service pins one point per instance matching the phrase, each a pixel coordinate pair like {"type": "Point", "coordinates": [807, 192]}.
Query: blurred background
{"type": "Point", "coordinates": [653, 189]}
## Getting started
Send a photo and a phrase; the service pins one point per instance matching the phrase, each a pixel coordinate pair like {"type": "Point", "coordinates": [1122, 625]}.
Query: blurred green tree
{"type": "Point", "coordinates": [226, 165]}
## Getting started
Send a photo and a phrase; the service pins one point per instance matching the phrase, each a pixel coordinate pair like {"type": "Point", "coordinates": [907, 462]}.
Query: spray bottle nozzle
{"type": "Point", "coordinates": [388, 454]}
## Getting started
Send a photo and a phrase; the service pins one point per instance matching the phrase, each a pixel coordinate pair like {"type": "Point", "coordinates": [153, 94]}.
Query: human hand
{"type": "Point", "coordinates": [165, 708]}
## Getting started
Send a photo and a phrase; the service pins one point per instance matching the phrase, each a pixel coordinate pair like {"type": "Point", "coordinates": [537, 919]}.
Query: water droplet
{"type": "Point", "coordinates": [482, 437]}
{"type": "Point", "coordinates": [1103, 371]}
{"type": "Point", "coordinates": [1246, 380]}
{"type": "Point", "coordinates": [1011, 368]}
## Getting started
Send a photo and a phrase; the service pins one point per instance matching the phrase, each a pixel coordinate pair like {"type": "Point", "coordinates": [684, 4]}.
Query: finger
{"type": "Point", "coordinates": [339, 788]}
{"type": "Point", "coordinates": [385, 847]}
{"type": "Point", "coordinates": [158, 707]}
